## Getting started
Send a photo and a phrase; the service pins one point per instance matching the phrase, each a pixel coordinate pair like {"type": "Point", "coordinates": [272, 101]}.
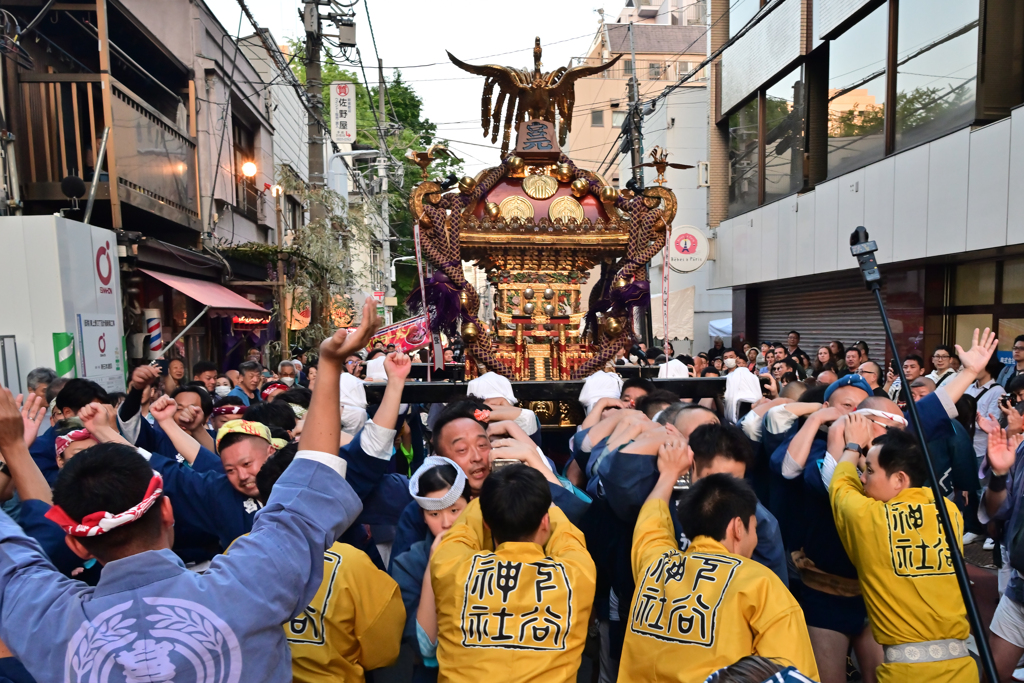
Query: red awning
{"type": "Point", "coordinates": [207, 293]}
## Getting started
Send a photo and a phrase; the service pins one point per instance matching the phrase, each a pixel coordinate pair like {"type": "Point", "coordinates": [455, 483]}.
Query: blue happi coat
{"type": "Point", "coordinates": [150, 618]}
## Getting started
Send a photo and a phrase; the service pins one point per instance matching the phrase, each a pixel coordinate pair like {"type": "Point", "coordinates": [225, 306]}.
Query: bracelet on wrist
{"type": "Point", "coordinates": [997, 483]}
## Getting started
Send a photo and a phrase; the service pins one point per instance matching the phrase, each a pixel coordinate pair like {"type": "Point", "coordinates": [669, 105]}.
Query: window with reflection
{"type": "Point", "coordinates": [856, 94]}
{"type": "Point", "coordinates": [784, 136]}
{"type": "Point", "coordinates": [743, 159]}
{"type": "Point", "coordinates": [937, 68]}
{"type": "Point", "coordinates": [740, 12]}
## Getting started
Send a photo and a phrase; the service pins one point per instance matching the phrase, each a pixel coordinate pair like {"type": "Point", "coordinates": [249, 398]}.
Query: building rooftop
{"type": "Point", "coordinates": [658, 38]}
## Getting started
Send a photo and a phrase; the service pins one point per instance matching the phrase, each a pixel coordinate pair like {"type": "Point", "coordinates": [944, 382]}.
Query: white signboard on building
{"type": "Point", "coordinates": [343, 112]}
{"type": "Point", "coordinates": [687, 249]}
{"type": "Point", "coordinates": [100, 346]}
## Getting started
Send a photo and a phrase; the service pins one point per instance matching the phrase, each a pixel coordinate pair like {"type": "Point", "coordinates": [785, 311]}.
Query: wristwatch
{"type": "Point", "coordinates": [855, 447]}
{"type": "Point", "coordinates": [4, 469]}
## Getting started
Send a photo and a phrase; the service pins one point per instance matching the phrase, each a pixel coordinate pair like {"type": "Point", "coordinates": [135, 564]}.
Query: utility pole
{"type": "Point", "coordinates": [283, 316]}
{"type": "Point", "coordinates": [314, 90]}
{"type": "Point", "coordinates": [635, 133]}
{"type": "Point", "coordinates": [382, 173]}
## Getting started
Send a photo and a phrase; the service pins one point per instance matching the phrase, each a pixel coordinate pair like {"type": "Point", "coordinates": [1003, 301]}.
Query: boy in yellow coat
{"type": "Point", "coordinates": [519, 612]}
{"type": "Point", "coordinates": [890, 528]}
{"type": "Point", "coordinates": [354, 623]}
{"type": "Point", "coordinates": [697, 611]}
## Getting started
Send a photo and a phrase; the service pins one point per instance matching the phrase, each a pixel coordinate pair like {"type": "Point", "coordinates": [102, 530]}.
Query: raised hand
{"type": "Point", "coordinates": [510, 429]}
{"type": "Point", "coordinates": [1002, 452]}
{"type": "Point", "coordinates": [163, 408]}
{"type": "Point", "coordinates": [397, 366]}
{"type": "Point", "coordinates": [143, 376]}
{"type": "Point", "coordinates": [858, 429]}
{"type": "Point", "coordinates": [97, 420]}
{"type": "Point", "coordinates": [12, 427]}
{"type": "Point", "coordinates": [987, 424]}
{"type": "Point", "coordinates": [674, 457]}
{"type": "Point", "coordinates": [981, 350]}
{"type": "Point", "coordinates": [33, 410]}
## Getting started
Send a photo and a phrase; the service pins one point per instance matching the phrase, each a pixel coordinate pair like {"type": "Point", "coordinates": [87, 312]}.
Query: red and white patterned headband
{"type": "Point", "coordinates": [97, 523]}
{"type": "Point", "coordinates": [229, 410]}
{"type": "Point", "coordinates": [67, 439]}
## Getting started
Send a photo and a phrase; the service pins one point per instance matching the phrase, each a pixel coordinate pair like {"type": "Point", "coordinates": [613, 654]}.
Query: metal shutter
{"type": "Point", "coordinates": [844, 310]}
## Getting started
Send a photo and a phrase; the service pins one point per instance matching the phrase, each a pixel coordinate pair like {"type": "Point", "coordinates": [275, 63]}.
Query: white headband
{"type": "Point", "coordinates": [448, 499]}
{"type": "Point", "coordinates": [892, 417]}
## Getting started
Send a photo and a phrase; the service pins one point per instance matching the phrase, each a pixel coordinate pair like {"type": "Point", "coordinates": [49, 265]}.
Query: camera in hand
{"type": "Point", "coordinates": [1009, 400]}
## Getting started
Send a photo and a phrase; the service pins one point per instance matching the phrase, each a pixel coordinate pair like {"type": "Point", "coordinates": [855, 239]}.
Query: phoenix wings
{"type": "Point", "coordinates": [548, 96]}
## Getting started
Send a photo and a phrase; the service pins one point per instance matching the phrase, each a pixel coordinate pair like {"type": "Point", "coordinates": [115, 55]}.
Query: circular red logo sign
{"type": "Point", "coordinates": [104, 253]}
{"type": "Point", "coordinates": [102, 343]}
{"type": "Point", "coordinates": [686, 244]}
{"type": "Point", "coordinates": [342, 90]}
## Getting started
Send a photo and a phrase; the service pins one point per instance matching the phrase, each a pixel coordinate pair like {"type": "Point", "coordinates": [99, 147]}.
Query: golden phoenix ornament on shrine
{"type": "Point", "coordinates": [659, 161]}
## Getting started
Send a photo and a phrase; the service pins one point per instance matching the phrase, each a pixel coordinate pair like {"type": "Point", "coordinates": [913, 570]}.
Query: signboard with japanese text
{"type": "Point", "coordinates": [407, 335]}
{"type": "Point", "coordinates": [100, 346]}
{"type": "Point", "coordinates": [687, 249]}
{"type": "Point", "coordinates": [343, 112]}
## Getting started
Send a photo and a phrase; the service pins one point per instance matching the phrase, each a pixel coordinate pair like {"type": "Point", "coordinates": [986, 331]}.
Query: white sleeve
{"type": "Point", "coordinates": [947, 403]}
{"type": "Point", "coordinates": [751, 425]}
{"type": "Point", "coordinates": [131, 427]}
{"type": "Point", "coordinates": [828, 468]}
{"type": "Point", "coordinates": [330, 459]}
{"type": "Point", "coordinates": [778, 420]}
{"type": "Point", "coordinates": [586, 446]}
{"type": "Point", "coordinates": [790, 468]}
{"type": "Point", "coordinates": [376, 441]}
{"type": "Point", "coordinates": [527, 420]}
{"type": "Point", "coordinates": [352, 419]}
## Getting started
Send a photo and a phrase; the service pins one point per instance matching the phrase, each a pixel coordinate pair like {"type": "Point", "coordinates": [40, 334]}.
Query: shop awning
{"type": "Point", "coordinates": [210, 294]}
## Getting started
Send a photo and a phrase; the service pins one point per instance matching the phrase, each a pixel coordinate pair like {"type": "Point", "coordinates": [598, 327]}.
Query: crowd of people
{"type": "Point", "coordinates": [272, 525]}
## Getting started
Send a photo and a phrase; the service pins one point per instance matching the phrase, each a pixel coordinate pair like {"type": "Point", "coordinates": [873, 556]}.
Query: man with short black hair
{"type": "Point", "coordinates": [1016, 368]}
{"type": "Point", "coordinates": [913, 367]}
{"type": "Point", "coordinates": [853, 360]}
{"type": "Point", "coordinates": [73, 396]}
{"type": "Point", "coordinates": [205, 372]}
{"type": "Point", "coordinates": [889, 526]}
{"type": "Point", "coordinates": [702, 608]}
{"type": "Point", "coordinates": [793, 349]}
{"type": "Point", "coordinates": [249, 377]}
{"type": "Point", "coordinates": [523, 606]}
{"type": "Point", "coordinates": [941, 360]}
{"type": "Point", "coordinates": [634, 389]}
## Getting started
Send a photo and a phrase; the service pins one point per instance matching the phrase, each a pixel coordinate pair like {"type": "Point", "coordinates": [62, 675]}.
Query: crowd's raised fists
{"type": "Point", "coordinates": [163, 408]}
{"type": "Point", "coordinates": [397, 366]}
{"type": "Point", "coordinates": [33, 412]}
{"type": "Point", "coordinates": [12, 426]}
{"type": "Point", "coordinates": [674, 456]}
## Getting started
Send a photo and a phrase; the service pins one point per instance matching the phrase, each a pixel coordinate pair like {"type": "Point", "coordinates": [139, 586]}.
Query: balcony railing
{"type": "Point", "coordinates": [62, 121]}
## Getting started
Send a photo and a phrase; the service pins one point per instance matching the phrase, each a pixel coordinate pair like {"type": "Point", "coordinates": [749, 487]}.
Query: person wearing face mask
{"type": "Point", "coordinates": [222, 386]}
{"type": "Point", "coordinates": [440, 491]}
{"type": "Point", "coordinates": [287, 373]}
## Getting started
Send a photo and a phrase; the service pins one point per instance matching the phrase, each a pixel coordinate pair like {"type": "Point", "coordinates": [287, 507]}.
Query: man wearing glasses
{"type": "Point", "coordinates": [941, 365]}
{"type": "Point", "coordinates": [1017, 366]}
{"type": "Point", "coordinates": [872, 374]}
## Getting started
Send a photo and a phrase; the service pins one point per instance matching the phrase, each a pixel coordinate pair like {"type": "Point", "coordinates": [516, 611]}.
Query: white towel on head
{"type": "Point", "coordinates": [352, 392]}
{"type": "Point", "coordinates": [375, 370]}
{"type": "Point", "coordinates": [600, 385]}
{"type": "Point", "coordinates": [491, 385]}
{"type": "Point", "coordinates": [740, 385]}
{"type": "Point", "coordinates": [673, 369]}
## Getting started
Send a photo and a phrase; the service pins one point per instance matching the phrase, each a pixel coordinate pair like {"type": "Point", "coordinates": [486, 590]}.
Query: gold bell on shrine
{"type": "Point", "coordinates": [580, 187]}
{"type": "Point", "coordinates": [470, 332]}
{"type": "Point", "coordinates": [516, 164]}
{"type": "Point", "coordinates": [563, 172]}
{"type": "Point", "coordinates": [611, 326]}
{"type": "Point", "coordinates": [609, 193]}
{"type": "Point", "coordinates": [467, 184]}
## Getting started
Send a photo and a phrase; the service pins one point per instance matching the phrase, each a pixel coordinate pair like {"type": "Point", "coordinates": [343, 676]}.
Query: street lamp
{"type": "Point", "coordinates": [249, 169]}
{"type": "Point", "coordinates": [396, 260]}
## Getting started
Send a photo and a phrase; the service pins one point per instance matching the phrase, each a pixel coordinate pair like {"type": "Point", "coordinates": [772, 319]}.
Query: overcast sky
{"type": "Point", "coordinates": [412, 32]}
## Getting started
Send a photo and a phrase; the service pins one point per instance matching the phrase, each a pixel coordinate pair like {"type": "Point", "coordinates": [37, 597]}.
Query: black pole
{"type": "Point", "coordinates": [864, 250]}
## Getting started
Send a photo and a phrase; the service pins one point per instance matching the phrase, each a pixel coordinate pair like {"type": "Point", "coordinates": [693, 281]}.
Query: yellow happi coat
{"type": "Point", "coordinates": [518, 613]}
{"type": "Point", "coordinates": [697, 611]}
{"type": "Point", "coordinates": [354, 623]}
{"type": "Point", "coordinates": [906, 575]}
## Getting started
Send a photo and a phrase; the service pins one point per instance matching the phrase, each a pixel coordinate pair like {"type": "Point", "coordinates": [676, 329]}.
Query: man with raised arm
{"type": "Point", "coordinates": [149, 618]}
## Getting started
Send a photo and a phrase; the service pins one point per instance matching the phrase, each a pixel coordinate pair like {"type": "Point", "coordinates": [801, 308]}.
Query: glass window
{"type": "Point", "coordinates": [618, 117]}
{"type": "Point", "coordinates": [1013, 282]}
{"type": "Point", "coordinates": [740, 12]}
{"type": "Point", "coordinates": [654, 70]}
{"type": "Point", "coordinates": [975, 284]}
{"type": "Point", "coordinates": [937, 68]}
{"type": "Point", "coordinates": [784, 137]}
{"type": "Point", "coordinates": [966, 324]}
{"type": "Point", "coordinates": [597, 117]}
{"type": "Point", "coordinates": [856, 94]}
{"type": "Point", "coordinates": [627, 68]}
{"type": "Point", "coordinates": [743, 159]}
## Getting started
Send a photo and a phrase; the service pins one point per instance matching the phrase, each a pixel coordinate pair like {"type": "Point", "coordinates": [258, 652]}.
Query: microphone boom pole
{"type": "Point", "coordinates": [864, 251]}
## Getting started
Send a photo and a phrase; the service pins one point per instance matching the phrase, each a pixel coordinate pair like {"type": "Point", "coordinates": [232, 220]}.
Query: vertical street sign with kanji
{"type": "Point", "coordinates": [343, 112]}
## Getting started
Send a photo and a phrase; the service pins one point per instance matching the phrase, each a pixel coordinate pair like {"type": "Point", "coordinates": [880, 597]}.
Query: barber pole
{"type": "Point", "coordinates": [153, 329]}
{"type": "Point", "coordinates": [64, 354]}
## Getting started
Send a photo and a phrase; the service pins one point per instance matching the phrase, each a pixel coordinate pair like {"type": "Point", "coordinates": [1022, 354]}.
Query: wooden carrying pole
{"type": "Point", "coordinates": [106, 95]}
